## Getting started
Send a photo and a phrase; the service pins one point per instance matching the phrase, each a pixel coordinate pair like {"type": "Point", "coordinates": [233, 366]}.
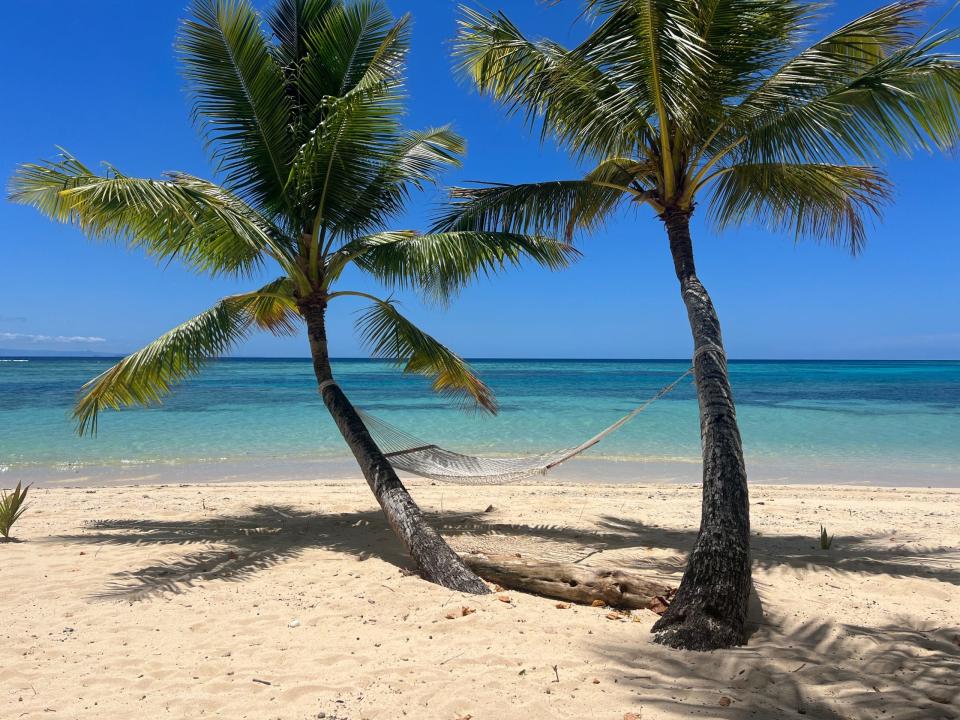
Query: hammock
{"type": "Point", "coordinates": [411, 454]}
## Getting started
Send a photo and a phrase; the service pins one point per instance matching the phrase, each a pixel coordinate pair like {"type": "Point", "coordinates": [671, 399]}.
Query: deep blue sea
{"type": "Point", "coordinates": [874, 417]}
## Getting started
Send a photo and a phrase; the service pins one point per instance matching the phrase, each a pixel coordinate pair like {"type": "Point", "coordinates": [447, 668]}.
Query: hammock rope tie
{"type": "Point", "coordinates": [411, 454]}
{"type": "Point", "coordinates": [708, 347]}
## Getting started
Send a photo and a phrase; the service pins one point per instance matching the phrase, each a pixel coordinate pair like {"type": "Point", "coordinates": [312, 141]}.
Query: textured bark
{"type": "Point", "coordinates": [710, 607]}
{"type": "Point", "coordinates": [436, 560]}
{"type": "Point", "coordinates": [567, 581]}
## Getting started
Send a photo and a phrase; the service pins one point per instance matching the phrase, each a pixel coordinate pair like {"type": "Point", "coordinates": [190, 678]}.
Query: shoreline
{"type": "Point", "coordinates": [588, 471]}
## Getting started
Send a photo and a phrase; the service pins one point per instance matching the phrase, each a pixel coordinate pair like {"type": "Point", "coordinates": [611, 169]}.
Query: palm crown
{"type": "Point", "coordinates": [674, 99]}
{"type": "Point", "coordinates": [303, 120]}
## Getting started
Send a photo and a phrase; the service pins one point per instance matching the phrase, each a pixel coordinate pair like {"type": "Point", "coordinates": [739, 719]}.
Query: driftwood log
{"type": "Point", "coordinates": [566, 581]}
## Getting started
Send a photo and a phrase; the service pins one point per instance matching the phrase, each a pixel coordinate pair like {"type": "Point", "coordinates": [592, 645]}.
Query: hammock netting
{"type": "Point", "coordinates": [411, 454]}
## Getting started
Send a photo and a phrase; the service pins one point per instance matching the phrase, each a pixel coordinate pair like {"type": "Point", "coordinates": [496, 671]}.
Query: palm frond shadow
{"type": "Point", "coordinates": [819, 669]}
{"type": "Point", "coordinates": [862, 554]}
{"type": "Point", "coordinates": [235, 547]}
{"type": "Point", "coordinates": [867, 554]}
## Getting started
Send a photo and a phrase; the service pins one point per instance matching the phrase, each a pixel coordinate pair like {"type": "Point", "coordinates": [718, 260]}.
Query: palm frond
{"type": "Point", "coordinates": [181, 216]}
{"type": "Point", "coordinates": [565, 89]}
{"type": "Point", "coordinates": [745, 41]}
{"type": "Point", "coordinates": [353, 48]}
{"type": "Point", "coordinates": [345, 153]}
{"type": "Point", "coordinates": [291, 21]}
{"type": "Point", "coordinates": [898, 101]}
{"type": "Point", "coordinates": [637, 177]}
{"type": "Point", "coordinates": [240, 101]}
{"type": "Point", "coordinates": [416, 160]}
{"type": "Point", "coordinates": [391, 336]}
{"type": "Point", "coordinates": [548, 208]}
{"type": "Point", "coordinates": [421, 155]}
{"type": "Point", "coordinates": [822, 201]}
{"type": "Point", "coordinates": [273, 307]}
{"type": "Point", "coordinates": [144, 377]}
{"type": "Point", "coordinates": [835, 59]}
{"type": "Point", "coordinates": [42, 185]}
{"type": "Point", "coordinates": [443, 263]}
{"type": "Point", "coordinates": [623, 171]}
{"type": "Point", "coordinates": [652, 48]}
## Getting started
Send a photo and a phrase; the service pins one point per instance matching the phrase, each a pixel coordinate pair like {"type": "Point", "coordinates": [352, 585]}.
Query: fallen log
{"type": "Point", "coordinates": [566, 581]}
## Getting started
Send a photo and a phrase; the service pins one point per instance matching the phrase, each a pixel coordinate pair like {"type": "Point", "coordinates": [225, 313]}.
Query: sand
{"type": "Point", "coordinates": [293, 600]}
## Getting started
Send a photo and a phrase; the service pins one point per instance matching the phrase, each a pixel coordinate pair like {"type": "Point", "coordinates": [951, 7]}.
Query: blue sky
{"type": "Point", "coordinates": [99, 78]}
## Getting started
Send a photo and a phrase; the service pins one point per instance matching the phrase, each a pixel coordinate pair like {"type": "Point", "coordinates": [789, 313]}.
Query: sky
{"type": "Point", "coordinates": [99, 78]}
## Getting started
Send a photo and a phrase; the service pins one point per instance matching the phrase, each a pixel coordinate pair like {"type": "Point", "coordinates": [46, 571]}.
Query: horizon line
{"type": "Point", "coordinates": [110, 356]}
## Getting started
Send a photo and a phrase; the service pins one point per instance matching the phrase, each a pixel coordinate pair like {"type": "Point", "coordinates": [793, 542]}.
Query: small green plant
{"type": "Point", "coordinates": [825, 540]}
{"type": "Point", "coordinates": [12, 506]}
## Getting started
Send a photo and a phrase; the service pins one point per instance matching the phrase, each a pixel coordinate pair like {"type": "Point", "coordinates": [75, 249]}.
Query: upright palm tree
{"type": "Point", "coordinates": [722, 102]}
{"type": "Point", "coordinates": [304, 125]}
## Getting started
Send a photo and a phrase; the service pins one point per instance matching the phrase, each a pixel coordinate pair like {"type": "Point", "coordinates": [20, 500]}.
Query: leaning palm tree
{"type": "Point", "coordinates": [304, 124]}
{"type": "Point", "coordinates": [724, 103]}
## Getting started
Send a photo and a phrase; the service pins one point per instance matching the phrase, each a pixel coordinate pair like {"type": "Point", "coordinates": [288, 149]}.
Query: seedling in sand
{"type": "Point", "coordinates": [12, 506]}
{"type": "Point", "coordinates": [825, 540]}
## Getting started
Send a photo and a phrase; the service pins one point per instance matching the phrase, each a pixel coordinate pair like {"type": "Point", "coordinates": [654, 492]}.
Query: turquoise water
{"type": "Point", "coordinates": [878, 413]}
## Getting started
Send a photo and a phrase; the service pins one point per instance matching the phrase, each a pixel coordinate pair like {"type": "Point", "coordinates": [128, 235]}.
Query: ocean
{"type": "Point", "coordinates": [802, 421]}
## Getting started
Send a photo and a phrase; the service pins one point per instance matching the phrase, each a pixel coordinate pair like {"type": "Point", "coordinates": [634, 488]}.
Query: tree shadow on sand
{"type": "Point", "coordinates": [820, 670]}
{"type": "Point", "coordinates": [237, 546]}
{"type": "Point", "coordinates": [864, 554]}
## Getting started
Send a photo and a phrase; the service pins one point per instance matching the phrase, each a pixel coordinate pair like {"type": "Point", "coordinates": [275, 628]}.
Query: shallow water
{"type": "Point", "coordinates": [865, 418]}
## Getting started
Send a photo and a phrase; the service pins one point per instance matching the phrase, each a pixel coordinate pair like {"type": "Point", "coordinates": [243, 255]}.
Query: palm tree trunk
{"type": "Point", "coordinates": [436, 560]}
{"type": "Point", "coordinates": [709, 610]}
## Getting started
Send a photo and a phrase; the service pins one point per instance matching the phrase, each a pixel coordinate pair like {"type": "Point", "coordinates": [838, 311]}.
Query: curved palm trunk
{"type": "Point", "coordinates": [436, 560]}
{"type": "Point", "coordinates": [710, 607]}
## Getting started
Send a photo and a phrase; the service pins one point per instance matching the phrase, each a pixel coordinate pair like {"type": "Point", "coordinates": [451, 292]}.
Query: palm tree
{"type": "Point", "coordinates": [304, 124]}
{"type": "Point", "coordinates": [723, 102]}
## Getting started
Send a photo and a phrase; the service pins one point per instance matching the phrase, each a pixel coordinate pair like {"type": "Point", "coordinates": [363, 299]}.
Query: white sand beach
{"type": "Point", "coordinates": [293, 600]}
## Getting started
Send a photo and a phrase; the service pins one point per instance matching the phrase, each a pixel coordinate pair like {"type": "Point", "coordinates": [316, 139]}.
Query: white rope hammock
{"type": "Point", "coordinates": [411, 454]}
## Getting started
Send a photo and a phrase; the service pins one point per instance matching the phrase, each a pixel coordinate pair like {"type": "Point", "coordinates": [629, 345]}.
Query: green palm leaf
{"type": "Point", "coordinates": [826, 202]}
{"type": "Point", "coordinates": [273, 307]}
{"type": "Point", "coordinates": [345, 153]}
{"type": "Point", "coordinates": [239, 98]}
{"type": "Point", "coordinates": [569, 92]}
{"type": "Point", "coordinates": [181, 216]}
{"type": "Point", "coordinates": [835, 59]}
{"type": "Point", "coordinates": [391, 336]}
{"type": "Point", "coordinates": [908, 98]}
{"type": "Point", "coordinates": [291, 22]}
{"type": "Point", "coordinates": [415, 161]}
{"type": "Point", "coordinates": [144, 377]}
{"type": "Point", "coordinates": [421, 155]}
{"type": "Point", "coordinates": [548, 208]}
{"type": "Point", "coordinates": [354, 48]}
{"type": "Point", "coordinates": [652, 47]}
{"type": "Point", "coordinates": [746, 40]}
{"type": "Point", "coordinates": [443, 263]}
